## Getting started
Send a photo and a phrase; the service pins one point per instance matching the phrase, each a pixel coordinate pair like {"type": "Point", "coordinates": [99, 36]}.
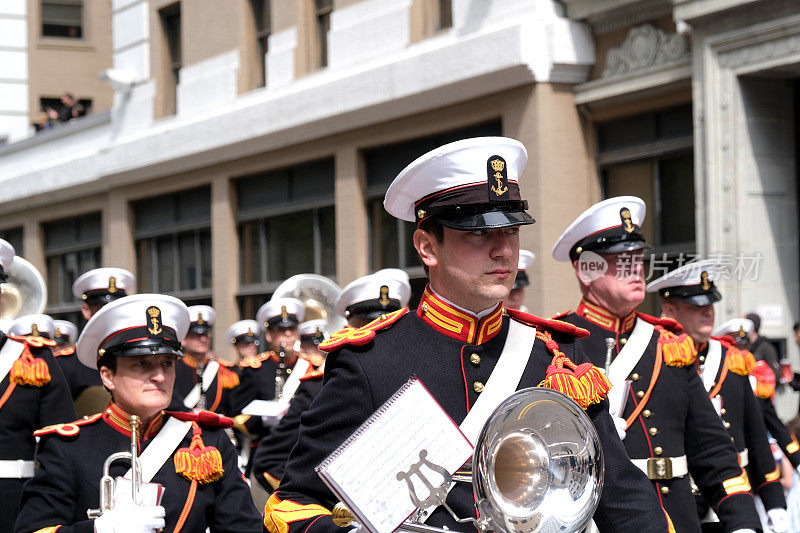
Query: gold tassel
{"type": "Point", "coordinates": [678, 350]}
{"type": "Point", "coordinates": [199, 462]}
{"type": "Point", "coordinates": [29, 370]}
{"type": "Point", "coordinates": [583, 383]}
{"type": "Point", "coordinates": [564, 381]}
{"type": "Point", "coordinates": [228, 378]}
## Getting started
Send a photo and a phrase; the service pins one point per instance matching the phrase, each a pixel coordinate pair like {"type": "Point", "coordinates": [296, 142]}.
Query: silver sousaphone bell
{"type": "Point", "coordinates": [537, 468]}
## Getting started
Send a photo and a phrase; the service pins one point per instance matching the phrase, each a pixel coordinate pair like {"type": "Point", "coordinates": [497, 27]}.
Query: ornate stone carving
{"type": "Point", "coordinates": [644, 48]}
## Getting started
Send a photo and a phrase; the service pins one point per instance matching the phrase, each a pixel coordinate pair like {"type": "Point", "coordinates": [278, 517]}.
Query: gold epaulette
{"type": "Point", "coordinates": [254, 361]}
{"type": "Point", "coordinates": [363, 335]}
{"type": "Point", "coordinates": [677, 350]}
{"type": "Point", "coordinates": [67, 430]}
{"type": "Point", "coordinates": [740, 362]}
{"type": "Point", "coordinates": [227, 378]}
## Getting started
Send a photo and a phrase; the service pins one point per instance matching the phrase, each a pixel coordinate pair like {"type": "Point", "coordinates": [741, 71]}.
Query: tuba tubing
{"type": "Point", "coordinates": [24, 292]}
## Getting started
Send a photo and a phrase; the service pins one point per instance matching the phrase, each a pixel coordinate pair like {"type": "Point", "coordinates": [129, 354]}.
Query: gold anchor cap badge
{"type": "Point", "coordinates": [155, 319]}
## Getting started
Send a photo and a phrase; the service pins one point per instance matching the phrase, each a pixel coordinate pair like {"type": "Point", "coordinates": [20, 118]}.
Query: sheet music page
{"type": "Point", "coordinates": [364, 470]}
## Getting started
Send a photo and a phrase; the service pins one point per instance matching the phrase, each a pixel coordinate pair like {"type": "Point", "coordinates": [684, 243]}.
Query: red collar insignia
{"type": "Point", "coordinates": [604, 318]}
{"type": "Point", "coordinates": [457, 324]}
{"type": "Point", "coordinates": [115, 417]}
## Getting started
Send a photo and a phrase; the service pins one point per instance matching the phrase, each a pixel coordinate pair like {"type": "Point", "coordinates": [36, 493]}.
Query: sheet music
{"type": "Point", "coordinates": [363, 471]}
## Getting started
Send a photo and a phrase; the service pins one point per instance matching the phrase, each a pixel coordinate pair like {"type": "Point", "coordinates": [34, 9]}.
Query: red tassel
{"type": "Point", "coordinates": [29, 370]}
{"type": "Point", "coordinates": [594, 381]}
{"type": "Point", "coordinates": [199, 462]}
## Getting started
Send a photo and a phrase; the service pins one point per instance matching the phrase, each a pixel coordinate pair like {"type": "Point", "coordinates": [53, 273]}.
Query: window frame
{"type": "Point", "coordinates": [82, 26]}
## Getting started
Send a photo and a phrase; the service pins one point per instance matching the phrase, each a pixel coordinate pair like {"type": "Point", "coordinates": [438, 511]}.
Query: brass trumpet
{"type": "Point", "coordinates": [107, 483]}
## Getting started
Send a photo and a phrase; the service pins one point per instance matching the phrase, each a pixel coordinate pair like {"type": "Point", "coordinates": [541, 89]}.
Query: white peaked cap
{"type": "Point", "coordinates": [310, 327]}
{"type": "Point", "coordinates": [242, 327]}
{"type": "Point", "coordinates": [733, 326]}
{"type": "Point", "coordinates": [275, 308]}
{"type": "Point", "coordinates": [600, 217]}
{"type": "Point", "coordinates": [67, 328]}
{"type": "Point", "coordinates": [526, 259]}
{"type": "Point", "coordinates": [101, 278]}
{"type": "Point", "coordinates": [204, 313]}
{"type": "Point", "coordinates": [688, 274]}
{"type": "Point", "coordinates": [130, 314]}
{"type": "Point", "coordinates": [24, 325]}
{"type": "Point", "coordinates": [368, 288]}
{"type": "Point", "coordinates": [452, 166]}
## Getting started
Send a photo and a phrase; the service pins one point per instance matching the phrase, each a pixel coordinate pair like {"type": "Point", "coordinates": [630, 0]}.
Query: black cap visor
{"type": "Point", "coordinates": [493, 219]}
{"type": "Point", "coordinates": [280, 322]}
{"type": "Point", "coordinates": [701, 300]}
{"type": "Point", "coordinates": [245, 339]}
{"type": "Point", "coordinates": [199, 329]}
{"type": "Point", "coordinates": [609, 242]}
{"type": "Point", "coordinates": [102, 296]}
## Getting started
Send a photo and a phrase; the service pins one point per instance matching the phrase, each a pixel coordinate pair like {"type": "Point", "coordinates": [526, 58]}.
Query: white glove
{"type": "Point", "coordinates": [778, 520]}
{"type": "Point", "coordinates": [620, 424]}
{"type": "Point", "coordinates": [131, 519]}
{"type": "Point", "coordinates": [744, 531]}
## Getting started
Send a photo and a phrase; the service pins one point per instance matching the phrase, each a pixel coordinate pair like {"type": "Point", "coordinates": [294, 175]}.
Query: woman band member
{"type": "Point", "coordinates": [190, 479]}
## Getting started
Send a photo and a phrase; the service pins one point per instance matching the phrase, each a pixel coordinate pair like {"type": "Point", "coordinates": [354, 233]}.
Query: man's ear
{"type": "Point", "coordinates": [427, 247]}
{"type": "Point", "coordinates": [105, 375]}
{"type": "Point", "coordinates": [584, 283]}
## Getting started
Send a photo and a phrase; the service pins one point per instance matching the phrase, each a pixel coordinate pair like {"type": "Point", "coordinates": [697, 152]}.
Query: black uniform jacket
{"type": "Point", "coordinates": [741, 415]}
{"type": "Point", "coordinates": [217, 396]}
{"type": "Point", "coordinates": [258, 383]}
{"type": "Point", "coordinates": [763, 381]}
{"type": "Point", "coordinates": [79, 376]}
{"type": "Point", "coordinates": [273, 450]}
{"type": "Point", "coordinates": [675, 418]}
{"type": "Point", "coordinates": [453, 353]}
{"type": "Point", "coordinates": [70, 464]}
{"type": "Point", "coordinates": [24, 409]}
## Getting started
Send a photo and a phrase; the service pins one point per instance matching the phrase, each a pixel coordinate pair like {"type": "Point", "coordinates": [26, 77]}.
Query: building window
{"type": "Point", "coordinates": [82, 108]}
{"type": "Point", "coordinates": [173, 245]}
{"type": "Point", "coordinates": [651, 156]}
{"type": "Point", "coordinates": [171, 24]}
{"type": "Point", "coordinates": [390, 238]}
{"type": "Point", "coordinates": [286, 226]}
{"type": "Point", "coordinates": [263, 27]}
{"type": "Point", "coordinates": [444, 14]}
{"type": "Point", "coordinates": [62, 18]}
{"type": "Point", "coordinates": [71, 247]}
{"type": "Point", "coordinates": [322, 16]}
{"type": "Point", "coordinates": [13, 236]}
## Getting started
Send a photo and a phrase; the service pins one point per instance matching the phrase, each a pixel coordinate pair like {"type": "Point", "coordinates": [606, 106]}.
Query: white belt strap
{"type": "Point", "coordinates": [209, 374]}
{"type": "Point", "coordinates": [298, 371]}
{"type": "Point", "coordinates": [8, 354]}
{"type": "Point", "coordinates": [625, 362]}
{"type": "Point", "coordinates": [161, 448]}
{"type": "Point", "coordinates": [504, 380]}
{"type": "Point", "coordinates": [712, 363]}
{"type": "Point", "coordinates": [744, 458]}
{"type": "Point", "coordinates": [655, 467]}
{"type": "Point", "coordinates": [16, 469]}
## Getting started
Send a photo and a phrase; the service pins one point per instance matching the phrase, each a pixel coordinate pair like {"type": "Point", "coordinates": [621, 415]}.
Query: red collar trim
{"type": "Point", "coordinates": [457, 324]}
{"type": "Point", "coordinates": [604, 318]}
{"type": "Point", "coordinates": [118, 419]}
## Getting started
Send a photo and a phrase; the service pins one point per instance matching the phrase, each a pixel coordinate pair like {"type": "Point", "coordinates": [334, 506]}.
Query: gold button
{"type": "Point", "coordinates": [727, 425]}
{"type": "Point", "coordinates": [475, 359]}
{"type": "Point", "coordinates": [657, 450]}
{"type": "Point", "coordinates": [664, 490]}
{"type": "Point", "coordinates": [288, 370]}
{"type": "Point", "coordinates": [722, 411]}
{"type": "Point", "coordinates": [623, 341]}
{"type": "Point", "coordinates": [647, 413]}
{"type": "Point", "coordinates": [477, 387]}
{"type": "Point", "coordinates": [424, 308]}
{"type": "Point", "coordinates": [635, 377]}
{"type": "Point", "coordinates": [640, 394]}
{"type": "Point", "coordinates": [702, 358]}
{"type": "Point", "coordinates": [652, 431]}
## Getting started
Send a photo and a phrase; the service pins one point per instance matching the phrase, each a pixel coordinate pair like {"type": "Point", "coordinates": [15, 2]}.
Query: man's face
{"type": "Point", "coordinates": [474, 269]}
{"type": "Point", "coordinates": [515, 298]}
{"type": "Point", "coordinates": [697, 320]}
{"type": "Point", "coordinates": [88, 310]}
{"type": "Point", "coordinates": [198, 343]}
{"type": "Point", "coordinates": [141, 385]}
{"type": "Point", "coordinates": [311, 348]}
{"type": "Point", "coordinates": [797, 337]}
{"type": "Point", "coordinates": [245, 349]}
{"type": "Point", "coordinates": [286, 336]}
{"type": "Point", "coordinates": [622, 286]}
